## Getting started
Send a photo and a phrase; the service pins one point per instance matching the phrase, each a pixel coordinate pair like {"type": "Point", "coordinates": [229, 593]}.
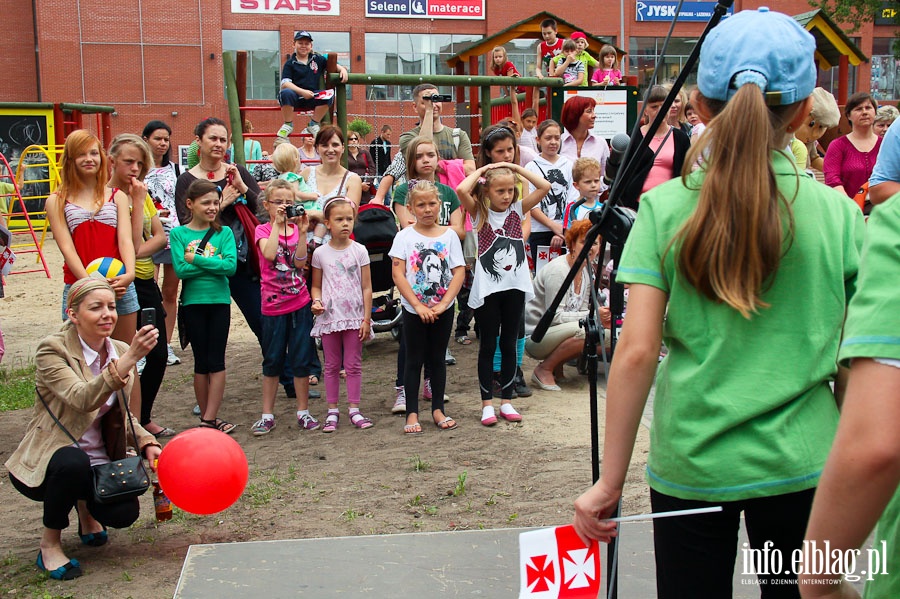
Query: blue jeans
{"type": "Point", "coordinates": [246, 294]}
{"type": "Point", "coordinates": [286, 343]}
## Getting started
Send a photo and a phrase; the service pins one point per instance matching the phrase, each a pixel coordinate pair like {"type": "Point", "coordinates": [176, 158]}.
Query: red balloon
{"type": "Point", "coordinates": [203, 471]}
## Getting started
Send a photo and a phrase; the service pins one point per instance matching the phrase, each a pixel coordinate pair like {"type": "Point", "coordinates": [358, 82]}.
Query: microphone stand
{"type": "Point", "coordinates": [614, 224]}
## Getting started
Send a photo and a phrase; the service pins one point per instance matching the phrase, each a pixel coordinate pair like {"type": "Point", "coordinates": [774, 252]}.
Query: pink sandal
{"type": "Point", "coordinates": [360, 421]}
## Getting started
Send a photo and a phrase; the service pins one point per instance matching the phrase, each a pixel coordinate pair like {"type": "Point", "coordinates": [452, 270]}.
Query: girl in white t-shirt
{"type": "Point", "coordinates": [428, 270]}
{"type": "Point", "coordinates": [547, 228]}
{"type": "Point", "coordinates": [502, 283]}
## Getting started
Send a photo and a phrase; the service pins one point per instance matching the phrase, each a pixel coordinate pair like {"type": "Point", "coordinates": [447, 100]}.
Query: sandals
{"type": "Point", "coordinates": [412, 429]}
{"type": "Point", "coordinates": [164, 432]}
{"type": "Point", "coordinates": [360, 421]}
{"type": "Point", "coordinates": [218, 424]}
{"type": "Point", "coordinates": [313, 380]}
{"type": "Point", "coordinates": [331, 422]}
{"type": "Point", "coordinates": [464, 340]}
{"type": "Point", "coordinates": [447, 424]}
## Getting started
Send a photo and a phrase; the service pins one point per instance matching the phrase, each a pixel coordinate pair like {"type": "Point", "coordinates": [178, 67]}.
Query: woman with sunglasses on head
{"type": "Point", "coordinates": [359, 162]}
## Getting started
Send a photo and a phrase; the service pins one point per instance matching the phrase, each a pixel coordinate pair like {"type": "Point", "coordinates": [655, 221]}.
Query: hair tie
{"type": "Point", "coordinates": [411, 184]}
{"type": "Point", "coordinates": [482, 180]}
{"type": "Point", "coordinates": [754, 77]}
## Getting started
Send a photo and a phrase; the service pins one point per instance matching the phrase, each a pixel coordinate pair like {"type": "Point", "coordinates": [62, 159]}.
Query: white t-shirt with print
{"type": "Point", "coordinates": [502, 263]}
{"type": "Point", "coordinates": [429, 263]}
{"type": "Point", "coordinates": [559, 175]}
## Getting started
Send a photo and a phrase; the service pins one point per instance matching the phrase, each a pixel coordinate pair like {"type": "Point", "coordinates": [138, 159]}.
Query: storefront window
{"type": "Point", "coordinates": [645, 51]}
{"type": "Point", "coordinates": [263, 60]}
{"type": "Point", "coordinates": [885, 70]}
{"type": "Point", "coordinates": [411, 54]}
{"type": "Point", "coordinates": [326, 42]}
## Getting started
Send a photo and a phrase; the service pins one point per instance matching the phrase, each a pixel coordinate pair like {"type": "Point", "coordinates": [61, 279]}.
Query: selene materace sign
{"type": "Point", "coordinates": [287, 7]}
{"type": "Point", "coordinates": [426, 9]}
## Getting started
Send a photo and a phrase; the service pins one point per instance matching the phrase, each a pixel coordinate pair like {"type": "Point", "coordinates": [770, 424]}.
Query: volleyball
{"type": "Point", "coordinates": [109, 268]}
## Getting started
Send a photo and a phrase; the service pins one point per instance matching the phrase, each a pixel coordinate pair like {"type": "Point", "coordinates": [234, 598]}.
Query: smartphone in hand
{"type": "Point", "coordinates": [148, 316]}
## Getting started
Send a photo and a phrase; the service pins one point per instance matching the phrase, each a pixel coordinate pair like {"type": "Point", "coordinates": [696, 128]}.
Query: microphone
{"type": "Point", "coordinates": [618, 146]}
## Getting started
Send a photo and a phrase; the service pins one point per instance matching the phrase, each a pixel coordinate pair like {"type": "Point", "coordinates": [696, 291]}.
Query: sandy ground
{"type": "Point", "coordinates": [310, 484]}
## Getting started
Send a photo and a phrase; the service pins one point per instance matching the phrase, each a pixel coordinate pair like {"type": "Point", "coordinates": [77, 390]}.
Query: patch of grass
{"type": "Point", "coordinates": [418, 464]}
{"type": "Point", "coordinates": [431, 510]}
{"type": "Point", "coordinates": [492, 500]}
{"type": "Point", "coordinates": [460, 488]}
{"type": "Point", "coordinates": [415, 501]}
{"type": "Point", "coordinates": [17, 387]}
{"type": "Point", "coordinates": [512, 518]}
{"type": "Point", "coordinates": [259, 494]}
{"type": "Point", "coordinates": [126, 576]}
{"type": "Point", "coordinates": [350, 515]}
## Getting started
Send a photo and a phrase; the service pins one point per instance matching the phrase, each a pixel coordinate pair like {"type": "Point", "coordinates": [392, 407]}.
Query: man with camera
{"type": "Point", "coordinates": [451, 143]}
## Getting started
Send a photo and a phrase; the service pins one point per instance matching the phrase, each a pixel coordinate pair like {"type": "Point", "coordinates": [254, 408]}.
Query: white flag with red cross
{"type": "Point", "coordinates": [553, 562]}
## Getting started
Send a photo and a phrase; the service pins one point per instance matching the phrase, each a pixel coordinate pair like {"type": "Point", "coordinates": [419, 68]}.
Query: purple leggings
{"type": "Point", "coordinates": [342, 347]}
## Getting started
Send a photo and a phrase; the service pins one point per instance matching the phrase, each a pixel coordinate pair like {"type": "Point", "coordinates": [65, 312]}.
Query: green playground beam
{"type": "Point", "coordinates": [451, 80]}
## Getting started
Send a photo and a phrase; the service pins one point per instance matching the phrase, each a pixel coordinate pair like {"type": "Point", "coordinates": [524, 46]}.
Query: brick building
{"type": "Point", "coordinates": [163, 59]}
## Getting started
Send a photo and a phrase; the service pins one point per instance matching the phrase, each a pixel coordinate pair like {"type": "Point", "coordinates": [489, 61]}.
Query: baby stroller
{"type": "Point", "coordinates": [375, 228]}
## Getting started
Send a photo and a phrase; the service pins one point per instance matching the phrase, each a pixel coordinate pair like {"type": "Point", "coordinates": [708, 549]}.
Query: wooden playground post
{"type": "Point", "coordinates": [234, 110]}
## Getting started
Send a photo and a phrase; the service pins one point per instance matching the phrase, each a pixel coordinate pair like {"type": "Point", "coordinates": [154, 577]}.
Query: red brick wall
{"type": "Point", "coordinates": [17, 61]}
{"type": "Point", "coordinates": [183, 79]}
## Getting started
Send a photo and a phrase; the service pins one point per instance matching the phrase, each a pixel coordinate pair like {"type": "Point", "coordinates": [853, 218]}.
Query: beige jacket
{"type": "Point", "coordinates": [75, 395]}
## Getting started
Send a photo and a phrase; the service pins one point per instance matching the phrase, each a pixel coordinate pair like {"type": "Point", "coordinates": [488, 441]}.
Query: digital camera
{"type": "Point", "coordinates": [293, 211]}
{"type": "Point", "coordinates": [439, 98]}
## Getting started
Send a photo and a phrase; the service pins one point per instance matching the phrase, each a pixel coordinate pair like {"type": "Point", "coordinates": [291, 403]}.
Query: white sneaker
{"type": "Point", "coordinates": [141, 364]}
{"type": "Point", "coordinates": [313, 128]}
{"type": "Point", "coordinates": [172, 360]}
{"type": "Point", "coordinates": [400, 402]}
{"type": "Point", "coordinates": [286, 129]}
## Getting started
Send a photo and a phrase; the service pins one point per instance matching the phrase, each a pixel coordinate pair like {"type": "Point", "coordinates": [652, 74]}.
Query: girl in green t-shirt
{"type": "Point", "coordinates": [745, 268]}
{"type": "Point", "coordinates": [204, 255]}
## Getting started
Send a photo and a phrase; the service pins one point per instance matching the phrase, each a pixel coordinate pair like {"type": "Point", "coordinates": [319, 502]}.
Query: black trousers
{"type": "Point", "coordinates": [67, 480]}
{"type": "Point", "coordinates": [501, 314]}
{"type": "Point", "coordinates": [426, 345]}
{"type": "Point", "coordinates": [695, 555]}
{"type": "Point", "coordinates": [149, 296]}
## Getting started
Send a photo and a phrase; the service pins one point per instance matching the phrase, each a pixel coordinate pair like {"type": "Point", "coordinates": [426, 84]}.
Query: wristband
{"type": "Point", "coordinates": [300, 258]}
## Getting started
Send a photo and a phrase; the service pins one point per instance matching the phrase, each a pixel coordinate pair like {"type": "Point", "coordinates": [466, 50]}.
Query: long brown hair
{"type": "Point", "coordinates": [732, 244]}
{"type": "Point", "coordinates": [78, 142]}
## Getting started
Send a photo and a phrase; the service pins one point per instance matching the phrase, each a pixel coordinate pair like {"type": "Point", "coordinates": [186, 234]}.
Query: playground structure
{"type": "Point", "coordinates": [481, 109]}
{"type": "Point", "coordinates": [31, 141]}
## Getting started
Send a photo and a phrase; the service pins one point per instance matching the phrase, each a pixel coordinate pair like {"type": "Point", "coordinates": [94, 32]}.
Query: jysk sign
{"type": "Point", "coordinates": [287, 7]}
{"type": "Point", "coordinates": [426, 9]}
{"type": "Point", "coordinates": [666, 10]}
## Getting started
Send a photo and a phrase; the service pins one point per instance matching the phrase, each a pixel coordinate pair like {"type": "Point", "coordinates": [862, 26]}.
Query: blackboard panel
{"type": "Point", "coordinates": [18, 130]}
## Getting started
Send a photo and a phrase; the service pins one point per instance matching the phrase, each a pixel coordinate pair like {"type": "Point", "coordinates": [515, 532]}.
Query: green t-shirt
{"type": "Point", "coordinates": [585, 57]}
{"type": "Point", "coordinates": [873, 331]}
{"type": "Point", "coordinates": [206, 279]}
{"type": "Point", "coordinates": [449, 201]}
{"type": "Point", "coordinates": [743, 408]}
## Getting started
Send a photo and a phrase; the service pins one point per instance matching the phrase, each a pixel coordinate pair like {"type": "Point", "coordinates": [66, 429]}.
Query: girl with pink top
{"type": "Point", "coordinates": [342, 304]}
{"type": "Point", "coordinates": [607, 73]}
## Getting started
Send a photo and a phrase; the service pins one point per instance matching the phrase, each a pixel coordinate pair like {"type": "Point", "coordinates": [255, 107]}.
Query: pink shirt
{"type": "Point", "coordinates": [661, 171]}
{"type": "Point", "coordinates": [342, 295]}
{"type": "Point", "coordinates": [282, 286]}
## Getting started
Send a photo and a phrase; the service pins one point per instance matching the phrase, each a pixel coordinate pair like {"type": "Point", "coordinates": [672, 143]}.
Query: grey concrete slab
{"type": "Point", "coordinates": [453, 564]}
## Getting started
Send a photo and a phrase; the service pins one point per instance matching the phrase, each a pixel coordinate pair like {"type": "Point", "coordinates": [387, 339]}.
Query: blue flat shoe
{"type": "Point", "coordinates": [93, 539]}
{"type": "Point", "coordinates": [69, 571]}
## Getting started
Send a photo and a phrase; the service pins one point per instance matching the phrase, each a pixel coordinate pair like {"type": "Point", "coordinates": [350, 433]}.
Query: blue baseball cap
{"type": "Point", "coordinates": [763, 47]}
{"type": "Point", "coordinates": [302, 35]}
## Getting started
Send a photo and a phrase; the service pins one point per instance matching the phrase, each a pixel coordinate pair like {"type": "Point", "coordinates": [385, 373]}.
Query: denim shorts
{"type": "Point", "coordinates": [127, 304]}
{"type": "Point", "coordinates": [286, 337]}
{"type": "Point", "coordinates": [163, 256]}
{"type": "Point", "coordinates": [288, 97]}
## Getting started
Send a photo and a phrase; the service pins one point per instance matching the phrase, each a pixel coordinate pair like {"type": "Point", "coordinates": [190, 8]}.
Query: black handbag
{"type": "Point", "coordinates": [183, 337]}
{"type": "Point", "coordinates": [119, 480]}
